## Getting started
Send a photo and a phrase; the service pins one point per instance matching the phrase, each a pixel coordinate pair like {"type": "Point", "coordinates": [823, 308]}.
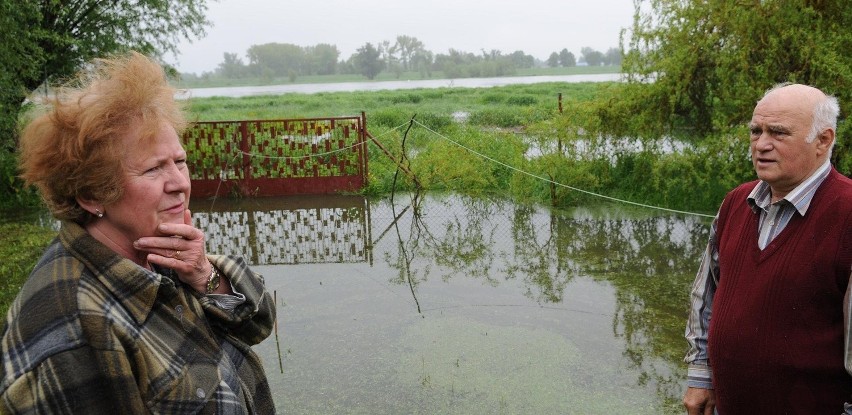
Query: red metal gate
{"type": "Point", "coordinates": [277, 157]}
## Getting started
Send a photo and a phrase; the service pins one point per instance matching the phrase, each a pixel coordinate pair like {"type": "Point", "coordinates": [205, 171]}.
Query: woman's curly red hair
{"type": "Point", "coordinates": [74, 149]}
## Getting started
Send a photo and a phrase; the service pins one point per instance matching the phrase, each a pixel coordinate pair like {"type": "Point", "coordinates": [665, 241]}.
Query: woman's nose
{"type": "Point", "coordinates": [178, 179]}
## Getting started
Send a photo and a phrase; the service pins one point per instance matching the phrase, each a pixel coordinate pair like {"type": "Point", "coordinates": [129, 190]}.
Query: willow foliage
{"type": "Point", "coordinates": [46, 42]}
{"type": "Point", "coordinates": [700, 66]}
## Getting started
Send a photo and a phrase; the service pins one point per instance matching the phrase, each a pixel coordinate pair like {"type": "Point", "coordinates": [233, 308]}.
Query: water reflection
{"type": "Point", "coordinates": [472, 304]}
{"type": "Point", "coordinates": [316, 230]}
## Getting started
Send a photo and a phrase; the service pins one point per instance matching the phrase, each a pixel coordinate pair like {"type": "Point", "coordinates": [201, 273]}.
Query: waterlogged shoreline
{"type": "Point", "coordinates": [244, 91]}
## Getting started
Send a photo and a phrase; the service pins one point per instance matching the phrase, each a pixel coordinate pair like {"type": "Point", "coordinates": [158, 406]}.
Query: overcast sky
{"type": "Point", "coordinates": [538, 27]}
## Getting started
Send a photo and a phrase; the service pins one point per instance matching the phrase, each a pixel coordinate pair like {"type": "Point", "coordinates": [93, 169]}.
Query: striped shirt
{"type": "Point", "coordinates": [774, 217]}
{"type": "Point", "coordinates": [94, 333]}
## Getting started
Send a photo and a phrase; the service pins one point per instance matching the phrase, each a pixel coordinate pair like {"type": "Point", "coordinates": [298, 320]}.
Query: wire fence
{"type": "Point", "coordinates": [435, 134]}
{"type": "Point", "coordinates": [347, 230]}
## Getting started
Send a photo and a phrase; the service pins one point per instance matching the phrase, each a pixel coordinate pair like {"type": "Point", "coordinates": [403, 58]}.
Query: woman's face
{"type": "Point", "coordinates": [156, 188]}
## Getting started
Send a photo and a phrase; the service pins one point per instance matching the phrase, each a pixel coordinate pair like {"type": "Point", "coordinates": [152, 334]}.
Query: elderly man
{"type": "Point", "coordinates": [775, 275]}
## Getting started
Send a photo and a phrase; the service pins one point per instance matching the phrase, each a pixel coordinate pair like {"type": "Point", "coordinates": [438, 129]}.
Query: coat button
{"type": "Point", "coordinates": [200, 393]}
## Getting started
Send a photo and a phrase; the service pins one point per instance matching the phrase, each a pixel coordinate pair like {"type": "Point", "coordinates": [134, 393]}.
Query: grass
{"type": "Point", "coordinates": [502, 123]}
{"type": "Point", "coordinates": [21, 244]}
{"type": "Point", "coordinates": [495, 122]}
{"type": "Point", "coordinates": [526, 104]}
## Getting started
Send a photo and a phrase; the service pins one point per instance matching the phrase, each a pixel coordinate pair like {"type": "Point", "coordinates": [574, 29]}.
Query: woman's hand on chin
{"type": "Point", "coordinates": [181, 248]}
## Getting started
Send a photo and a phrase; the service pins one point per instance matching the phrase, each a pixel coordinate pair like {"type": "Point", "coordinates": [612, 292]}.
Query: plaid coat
{"type": "Point", "coordinates": [92, 332]}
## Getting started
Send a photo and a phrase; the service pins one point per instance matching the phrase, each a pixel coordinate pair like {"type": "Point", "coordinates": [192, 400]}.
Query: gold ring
{"type": "Point", "coordinates": [176, 255]}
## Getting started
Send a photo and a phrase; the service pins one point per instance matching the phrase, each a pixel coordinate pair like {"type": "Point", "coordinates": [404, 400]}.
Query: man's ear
{"type": "Point", "coordinates": [824, 140]}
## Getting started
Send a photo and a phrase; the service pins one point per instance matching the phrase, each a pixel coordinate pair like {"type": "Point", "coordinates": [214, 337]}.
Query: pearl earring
{"type": "Point", "coordinates": [98, 213]}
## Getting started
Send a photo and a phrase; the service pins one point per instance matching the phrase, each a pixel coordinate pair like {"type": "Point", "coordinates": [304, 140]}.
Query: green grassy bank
{"type": "Point", "coordinates": [513, 140]}
{"type": "Point", "coordinates": [21, 244]}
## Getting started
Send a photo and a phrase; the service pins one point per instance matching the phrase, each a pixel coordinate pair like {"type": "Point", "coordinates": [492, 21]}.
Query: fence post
{"type": "Point", "coordinates": [559, 137]}
{"type": "Point", "coordinates": [560, 103]}
{"type": "Point", "coordinates": [362, 138]}
{"type": "Point", "coordinates": [244, 146]}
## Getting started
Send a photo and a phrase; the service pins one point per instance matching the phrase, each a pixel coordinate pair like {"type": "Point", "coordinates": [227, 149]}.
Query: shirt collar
{"type": "Point", "coordinates": [132, 286]}
{"type": "Point", "coordinates": [800, 198]}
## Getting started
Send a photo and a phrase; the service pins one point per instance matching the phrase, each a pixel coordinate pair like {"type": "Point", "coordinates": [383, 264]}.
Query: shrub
{"type": "Point", "coordinates": [406, 98]}
{"type": "Point", "coordinates": [388, 117]}
{"type": "Point", "coordinates": [522, 100]}
{"type": "Point", "coordinates": [493, 98]}
{"type": "Point", "coordinates": [496, 117]}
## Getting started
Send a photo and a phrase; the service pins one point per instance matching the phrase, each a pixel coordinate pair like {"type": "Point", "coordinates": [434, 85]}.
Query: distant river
{"type": "Point", "coordinates": [243, 91]}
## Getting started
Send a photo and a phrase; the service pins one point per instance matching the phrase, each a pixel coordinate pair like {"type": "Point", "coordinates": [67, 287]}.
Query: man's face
{"type": "Point", "coordinates": [781, 156]}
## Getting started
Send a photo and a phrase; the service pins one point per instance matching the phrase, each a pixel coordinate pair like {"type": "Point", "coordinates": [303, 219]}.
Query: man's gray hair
{"type": "Point", "coordinates": [825, 116]}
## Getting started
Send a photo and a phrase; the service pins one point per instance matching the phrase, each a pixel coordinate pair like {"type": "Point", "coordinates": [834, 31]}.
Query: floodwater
{"type": "Point", "coordinates": [449, 304]}
{"type": "Point", "coordinates": [243, 91]}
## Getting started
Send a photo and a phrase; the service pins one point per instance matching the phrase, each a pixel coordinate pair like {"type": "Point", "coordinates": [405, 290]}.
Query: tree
{"type": "Point", "coordinates": [20, 59]}
{"type": "Point", "coordinates": [388, 54]}
{"type": "Point", "coordinates": [323, 58]}
{"type": "Point", "coordinates": [407, 46]}
{"type": "Point", "coordinates": [276, 59]}
{"type": "Point", "coordinates": [451, 63]}
{"type": "Point", "coordinates": [612, 56]}
{"type": "Point", "coordinates": [553, 60]}
{"type": "Point", "coordinates": [347, 66]}
{"type": "Point", "coordinates": [366, 59]}
{"type": "Point", "coordinates": [454, 57]}
{"type": "Point", "coordinates": [66, 36]}
{"type": "Point", "coordinates": [422, 62]}
{"type": "Point", "coordinates": [703, 65]}
{"type": "Point", "coordinates": [566, 58]}
{"type": "Point", "coordinates": [232, 66]}
{"type": "Point", "coordinates": [47, 41]}
{"type": "Point", "coordinates": [591, 56]}
{"type": "Point", "coordinates": [522, 60]}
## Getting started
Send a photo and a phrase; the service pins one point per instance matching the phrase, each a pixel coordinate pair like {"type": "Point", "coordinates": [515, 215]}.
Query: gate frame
{"type": "Point", "coordinates": [250, 185]}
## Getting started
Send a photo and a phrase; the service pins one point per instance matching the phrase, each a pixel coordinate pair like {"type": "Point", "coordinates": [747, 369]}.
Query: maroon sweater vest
{"type": "Point", "coordinates": [776, 332]}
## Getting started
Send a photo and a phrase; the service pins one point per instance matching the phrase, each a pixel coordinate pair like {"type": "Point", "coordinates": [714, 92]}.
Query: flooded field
{"type": "Point", "coordinates": [243, 91]}
{"type": "Point", "coordinates": [458, 305]}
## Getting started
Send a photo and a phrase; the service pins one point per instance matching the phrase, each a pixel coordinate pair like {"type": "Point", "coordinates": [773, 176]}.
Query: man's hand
{"type": "Point", "coordinates": [699, 401]}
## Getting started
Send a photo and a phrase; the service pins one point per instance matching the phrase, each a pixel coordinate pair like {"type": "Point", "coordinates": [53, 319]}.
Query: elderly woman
{"type": "Point", "coordinates": [125, 313]}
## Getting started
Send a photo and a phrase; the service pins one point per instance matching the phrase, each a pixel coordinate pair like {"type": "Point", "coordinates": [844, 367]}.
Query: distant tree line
{"type": "Point", "coordinates": [405, 54]}
{"type": "Point", "coordinates": [588, 57]}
